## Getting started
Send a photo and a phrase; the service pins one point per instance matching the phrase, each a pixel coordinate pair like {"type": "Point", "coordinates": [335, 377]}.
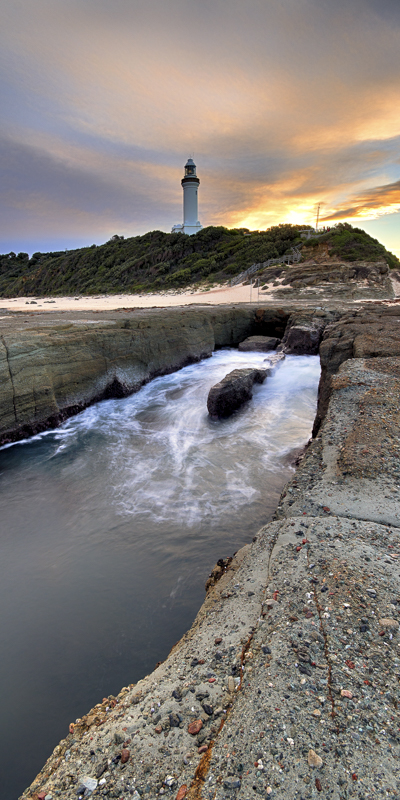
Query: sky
{"type": "Point", "coordinates": [284, 105]}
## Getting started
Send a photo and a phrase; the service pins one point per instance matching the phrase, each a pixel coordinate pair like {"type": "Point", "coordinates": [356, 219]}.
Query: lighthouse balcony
{"type": "Point", "coordinates": [190, 179]}
{"type": "Point", "coordinates": [187, 228]}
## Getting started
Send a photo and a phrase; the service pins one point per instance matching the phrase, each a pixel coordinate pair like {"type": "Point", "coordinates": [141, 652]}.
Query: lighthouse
{"type": "Point", "coordinates": [190, 185]}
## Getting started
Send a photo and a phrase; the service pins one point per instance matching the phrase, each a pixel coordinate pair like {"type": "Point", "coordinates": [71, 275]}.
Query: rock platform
{"type": "Point", "coordinates": [287, 684]}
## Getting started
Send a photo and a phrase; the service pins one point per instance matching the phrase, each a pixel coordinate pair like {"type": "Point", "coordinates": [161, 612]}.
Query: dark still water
{"type": "Point", "coordinates": [109, 528]}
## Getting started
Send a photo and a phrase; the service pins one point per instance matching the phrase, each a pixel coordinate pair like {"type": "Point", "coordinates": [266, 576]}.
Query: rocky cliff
{"type": "Point", "coordinates": [330, 277]}
{"type": "Point", "coordinates": [53, 365]}
{"type": "Point", "coordinates": [286, 686]}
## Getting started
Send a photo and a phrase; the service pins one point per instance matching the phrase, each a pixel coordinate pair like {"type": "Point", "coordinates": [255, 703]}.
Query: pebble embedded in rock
{"type": "Point", "coordinates": [125, 755]}
{"type": "Point", "coordinates": [195, 726]}
{"type": "Point", "coordinates": [386, 622]}
{"type": "Point", "coordinates": [314, 760]}
{"type": "Point", "coordinates": [182, 792]}
{"type": "Point", "coordinates": [101, 768]}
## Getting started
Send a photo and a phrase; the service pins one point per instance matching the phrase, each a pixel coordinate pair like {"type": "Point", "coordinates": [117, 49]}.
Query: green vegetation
{"type": "Point", "coordinates": [353, 244]}
{"type": "Point", "coordinates": [153, 262]}
{"type": "Point", "coordinates": [158, 261]}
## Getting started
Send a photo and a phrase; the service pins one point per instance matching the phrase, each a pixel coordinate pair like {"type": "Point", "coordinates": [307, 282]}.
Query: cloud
{"type": "Point", "coordinates": [285, 103]}
{"type": "Point", "coordinates": [370, 204]}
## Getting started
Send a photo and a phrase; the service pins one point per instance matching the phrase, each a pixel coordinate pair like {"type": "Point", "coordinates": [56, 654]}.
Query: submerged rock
{"type": "Point", "coordinates": [259, 344]}
{"type": "Point", "coordinates": [230, 393]}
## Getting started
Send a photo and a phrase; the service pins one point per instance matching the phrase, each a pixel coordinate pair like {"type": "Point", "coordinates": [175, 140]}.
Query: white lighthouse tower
{"type": "Point", "coordinates": [190, 185]}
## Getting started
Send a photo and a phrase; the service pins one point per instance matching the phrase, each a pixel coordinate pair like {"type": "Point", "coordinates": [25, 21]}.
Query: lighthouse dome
{"type": "Point", "coordinates": [190, 168]}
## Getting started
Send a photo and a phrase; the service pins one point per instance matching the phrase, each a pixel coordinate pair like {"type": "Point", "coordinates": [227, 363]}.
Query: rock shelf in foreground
{"type": "Point", "coordinates": [287, 684]}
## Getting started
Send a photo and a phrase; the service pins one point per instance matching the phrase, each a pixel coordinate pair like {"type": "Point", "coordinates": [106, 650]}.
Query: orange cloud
{"type": "Point", "coordinates": [370, 204]}
{"type": "Point", "coordinates": [285, 104]}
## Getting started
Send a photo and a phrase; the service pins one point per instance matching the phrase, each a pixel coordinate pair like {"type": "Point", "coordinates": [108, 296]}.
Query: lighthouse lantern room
{"type": "Point", "coordinates": [190, 185]}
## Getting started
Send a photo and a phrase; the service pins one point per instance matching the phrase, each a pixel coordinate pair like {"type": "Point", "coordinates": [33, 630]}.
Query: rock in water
{"type": "Point", "coordinates": [259, 343]}
{"type": "Point", "coordinates": [230, 393]}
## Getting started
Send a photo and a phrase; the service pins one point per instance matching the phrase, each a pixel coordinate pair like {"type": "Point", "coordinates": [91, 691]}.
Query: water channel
{"type": "Point", "coordinates": [110, 526]}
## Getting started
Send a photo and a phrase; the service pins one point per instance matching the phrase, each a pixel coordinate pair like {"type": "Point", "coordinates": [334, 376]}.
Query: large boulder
{"type": "Point", "coordinates": [304, 339]}
{"type": "Point", "coordinates": [258, 344]}
{"type": "Point", "coordinates": [230, 393]}
{"type": "Point", "coordinates": [304, 332]}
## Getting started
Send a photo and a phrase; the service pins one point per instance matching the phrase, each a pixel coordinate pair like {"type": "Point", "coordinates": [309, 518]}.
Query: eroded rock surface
{"type": "Point", "coordinates": [353, 467]}
{"type": "Point", "coordinates": [332, 278]}
{"type": "Point", "coordinates": [287, 684]}
{"type": "Point", "coordinates": [53, 365]}
{"type": "Point", "coordinates": [365, 332]}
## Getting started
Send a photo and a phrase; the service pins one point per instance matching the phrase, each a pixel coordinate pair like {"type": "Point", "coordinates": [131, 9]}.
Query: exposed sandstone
{"type": "Point", "coordinates": [295, 651]}
{"type": "Point", "coordinates": [331, 277]}
{"type": "Point", "coordinates": [358, 333]}
{"type": "Point", "coordinates": [304, 331]}
{"type": "Point", "coordinates": [52, 366]}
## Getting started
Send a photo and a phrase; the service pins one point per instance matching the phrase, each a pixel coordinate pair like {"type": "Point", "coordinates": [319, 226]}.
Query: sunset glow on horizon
{"type": "Point", "coordinates": [285, 104]}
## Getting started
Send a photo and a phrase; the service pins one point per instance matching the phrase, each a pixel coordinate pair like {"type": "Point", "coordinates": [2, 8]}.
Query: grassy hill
{"type": "Point", "coordinates": [159, 261]}
{"type": "Point", "coordinates": [353, 244]}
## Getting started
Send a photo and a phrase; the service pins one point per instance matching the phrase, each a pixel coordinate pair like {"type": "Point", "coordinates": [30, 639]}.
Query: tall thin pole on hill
{"type": "Point", "coordinates": [318, 208]}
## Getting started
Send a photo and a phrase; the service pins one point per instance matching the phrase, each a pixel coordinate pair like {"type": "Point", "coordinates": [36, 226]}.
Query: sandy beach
{"type": "Point", "coordinates": [108, 302]}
